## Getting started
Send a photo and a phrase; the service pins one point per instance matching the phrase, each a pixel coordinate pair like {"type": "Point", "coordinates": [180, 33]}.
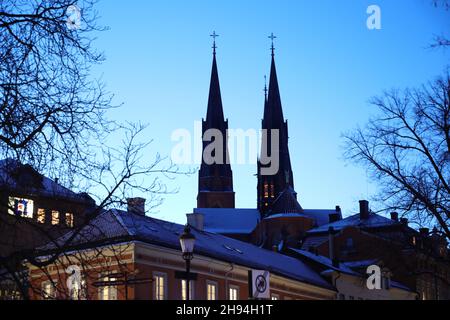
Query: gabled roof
{"type": "Point", "coordinates": [121, 225]}
{"type": "Point", "coordinates": [373, 221]}
{"type": "Point", "coordinates": [23, 179]}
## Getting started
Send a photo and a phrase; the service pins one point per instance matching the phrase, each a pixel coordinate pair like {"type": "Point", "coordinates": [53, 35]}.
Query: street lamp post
{"type": "Point", "coordinates": [187, 241]}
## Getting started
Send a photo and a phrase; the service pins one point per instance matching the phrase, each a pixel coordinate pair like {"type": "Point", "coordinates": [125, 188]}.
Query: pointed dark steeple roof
{"type": "Point", "coordinates": [281, 183]}
{"type": "Point", "coordinates": [214, 115]}
{"type": "Point", "coordinates": [215, 185]}
{"type": "Point", "coordinates": [274, 108]}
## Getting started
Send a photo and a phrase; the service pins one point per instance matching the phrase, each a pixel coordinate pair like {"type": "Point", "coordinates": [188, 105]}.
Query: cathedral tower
{"type": "Point", "coordinates": [276, 191]}
{"type": "Point", "coordinates": [215, 181]}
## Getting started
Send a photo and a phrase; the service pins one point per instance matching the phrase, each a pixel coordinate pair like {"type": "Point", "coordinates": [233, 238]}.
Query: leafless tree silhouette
{"type": "Point", "coordinates": [407, 150]}
{"type": "Point", "coordinates": [441, 41]}
{"type": "Point", "coordinates": [53, 117]}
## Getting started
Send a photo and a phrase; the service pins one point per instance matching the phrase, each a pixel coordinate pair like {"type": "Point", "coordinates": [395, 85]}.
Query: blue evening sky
{"type": "Point", "coordinates": [329, 64]}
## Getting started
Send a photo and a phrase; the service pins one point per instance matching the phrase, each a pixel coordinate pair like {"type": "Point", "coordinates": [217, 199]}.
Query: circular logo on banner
{"type": "Point", "coordinates": [261, 283]}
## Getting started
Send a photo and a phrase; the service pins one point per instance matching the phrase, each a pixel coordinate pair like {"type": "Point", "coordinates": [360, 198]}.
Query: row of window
{"type": "Point", "coordinates": [266, 191]}
{"type": "Point", "coordinates": [25, 208]}
{"type": "Point", "coordinates": [79, 290]}
{"type": "Point", "coordinates": [160, 290]}
{"type": "Point", "coordinates": [212, 289]}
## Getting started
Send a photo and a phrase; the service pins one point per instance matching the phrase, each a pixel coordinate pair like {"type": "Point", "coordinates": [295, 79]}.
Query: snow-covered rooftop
{"type": "Point", "coordinates": [229, 220]}
{"type": "Point", "coordinates": [346, 267]}
{"type": "Point", "coordinates": [24, 179]}
{"type": "Point", "coordinates": [326, 262]}
{"type": "Point", "coordinates": [373, 221]}
{"type": "Point", "coordinates": [244, 221]}
{"type": "Point", "coordinates": [121, 225]}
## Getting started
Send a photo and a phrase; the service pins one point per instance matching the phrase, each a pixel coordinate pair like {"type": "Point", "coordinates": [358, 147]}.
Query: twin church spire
{"type": "Point", "coordinates": [216, 180]}
{"type": "Point", "coordinates": [273, 189]}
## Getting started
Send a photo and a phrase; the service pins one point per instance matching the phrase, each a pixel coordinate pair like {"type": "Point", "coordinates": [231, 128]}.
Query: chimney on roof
{"type": "Point", "coordinates": [363, 209]}
{"type": "Point", "coordinates": [394, 216]}
{"type": "Point", "coordinates": [424, 232]}
{"type": "Point", "coordinates": [196, 220]}
{"type": "Point", "coordinates": [404, 221]}
{"type": "Point", "coordinates": [333, 217]}
{"type": "Point", "coordinates": [136, 205]}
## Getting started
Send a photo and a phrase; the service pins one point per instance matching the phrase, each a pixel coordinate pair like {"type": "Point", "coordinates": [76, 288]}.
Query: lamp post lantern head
{"type": "Point", "coordinates": [187, 241]}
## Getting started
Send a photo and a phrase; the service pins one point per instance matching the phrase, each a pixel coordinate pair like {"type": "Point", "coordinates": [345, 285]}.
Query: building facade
{"type": "Point", "coordinates": [33, 210]}
{"type": "Point", "coordinates": [418, 259]}
{"type": "Point", "coordinates": [148, 251]}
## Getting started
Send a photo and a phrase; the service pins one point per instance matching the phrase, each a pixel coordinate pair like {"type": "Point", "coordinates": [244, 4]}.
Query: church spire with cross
{"type": "Point", "coordinates": [271, 188]}
{"type": "Point", "coordinates": [215, 185]}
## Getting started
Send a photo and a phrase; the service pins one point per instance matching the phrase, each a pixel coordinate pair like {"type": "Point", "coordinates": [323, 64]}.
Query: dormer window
{"type": "Point", "coordinates": [21, 207]}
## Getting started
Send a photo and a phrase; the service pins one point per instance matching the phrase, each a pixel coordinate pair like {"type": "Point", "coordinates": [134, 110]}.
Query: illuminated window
{"type": "Point", "coordinates": [233, 293]}
{"type": "Point", "coordinates": [55, 217]}
{"type": "Point", "coordinates": [69, 220]}
{"type": "Point", "coordinates": [211, 290]}
{"type": "Point", "coordinates": [184, 290]}
{"type": "Point", "coordinates": [21, 207]}
{"type": "Point", "coordinates": [48, 290]}
{"type": "Point", "coordinates": [108, 292]}
{"type": "Point", "coordinates": [159, 286]}
{"type": "Point", "coordinates": [41, 216]}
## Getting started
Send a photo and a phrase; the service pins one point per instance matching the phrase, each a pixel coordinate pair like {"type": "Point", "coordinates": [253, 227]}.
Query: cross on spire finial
{"type": "Point", "coordinates": [214, 35]}
{"type": "Point", "coordinates": [272, 37]}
